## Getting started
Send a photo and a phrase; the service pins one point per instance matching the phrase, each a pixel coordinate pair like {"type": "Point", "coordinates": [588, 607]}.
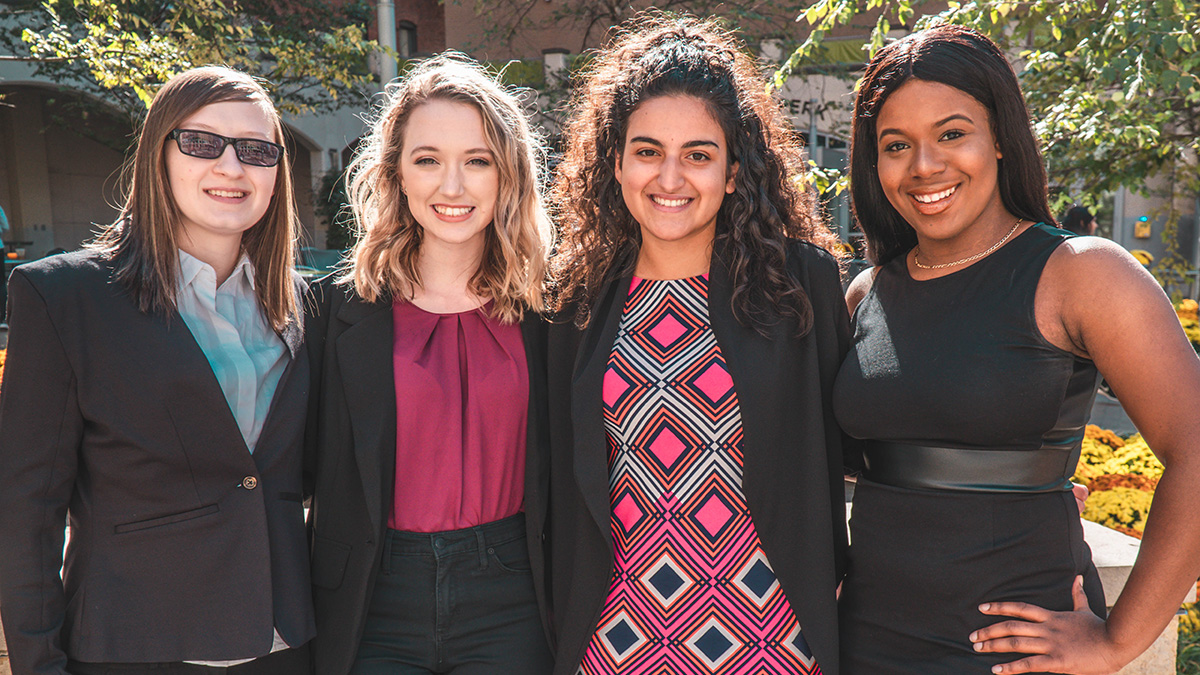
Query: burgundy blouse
{"type": "Point", "coordinates": [462, 397]}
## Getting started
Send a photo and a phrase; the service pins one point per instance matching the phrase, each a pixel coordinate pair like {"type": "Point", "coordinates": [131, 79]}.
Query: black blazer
{"type": "Point", "coordinates": [183, 544]}
{"type": "Point", "coordinates": [351, 447]}
{"type": "Point", "coordinates": [793, 455]}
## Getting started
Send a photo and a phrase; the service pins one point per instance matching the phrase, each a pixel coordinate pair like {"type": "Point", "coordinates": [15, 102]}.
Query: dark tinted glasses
{"type": "Point", "coordinates": [207, 145]}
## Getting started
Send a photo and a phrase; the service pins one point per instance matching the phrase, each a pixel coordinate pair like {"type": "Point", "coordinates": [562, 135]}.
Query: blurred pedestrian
{"type": "Point", "coordinates": [1079, 220]}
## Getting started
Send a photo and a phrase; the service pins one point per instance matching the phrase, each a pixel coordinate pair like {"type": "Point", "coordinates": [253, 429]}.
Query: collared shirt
{"type": "Point", "coordinates": [246, 355]}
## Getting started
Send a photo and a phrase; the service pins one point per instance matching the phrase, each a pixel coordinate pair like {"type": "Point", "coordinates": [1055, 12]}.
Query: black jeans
{"type": "Point", "coordinates": [458, 602]}
{"type": "Point", "coordinates": [295, 661]}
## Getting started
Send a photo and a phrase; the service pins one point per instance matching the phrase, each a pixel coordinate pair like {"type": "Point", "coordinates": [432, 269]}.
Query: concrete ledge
{"type": "Point", "coordinates": [1114, 554]}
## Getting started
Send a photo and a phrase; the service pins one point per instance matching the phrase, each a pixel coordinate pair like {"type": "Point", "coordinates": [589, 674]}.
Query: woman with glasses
{"type": "Point", "coordinates": [154, 400]}
{"type": "Point", "coordinates": [427, 357]}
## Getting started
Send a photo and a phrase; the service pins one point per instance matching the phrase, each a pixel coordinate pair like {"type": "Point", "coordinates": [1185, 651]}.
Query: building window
{"type": "Point", "coordinates": [406, 39]}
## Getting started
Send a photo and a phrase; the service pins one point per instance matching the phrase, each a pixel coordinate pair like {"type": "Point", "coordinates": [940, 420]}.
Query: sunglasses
{"type": "Point", "coordinates": [206, 145]}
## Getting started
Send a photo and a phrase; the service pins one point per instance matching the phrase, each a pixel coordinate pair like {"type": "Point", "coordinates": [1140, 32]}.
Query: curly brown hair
{"type": "Point", "coordinates": [656, 54]}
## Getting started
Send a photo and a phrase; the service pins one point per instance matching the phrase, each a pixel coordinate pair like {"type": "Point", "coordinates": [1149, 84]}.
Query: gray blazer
{"type": "Point", "coordinates": [184, 546]}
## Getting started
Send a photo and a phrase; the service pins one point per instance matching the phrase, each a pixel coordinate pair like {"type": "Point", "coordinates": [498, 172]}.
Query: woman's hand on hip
{"type": "Point", "coordinates": [1075, 642]}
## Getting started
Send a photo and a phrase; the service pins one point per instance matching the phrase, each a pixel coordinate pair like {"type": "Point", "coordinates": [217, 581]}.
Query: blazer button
{"type": "Point", "coordinates": [249, 482]}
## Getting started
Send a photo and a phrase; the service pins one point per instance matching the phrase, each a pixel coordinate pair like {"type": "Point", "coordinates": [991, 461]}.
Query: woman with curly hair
{"type": "Point", "coordinates": [979, 340]}
{"type": "Point", "coordinates": [695, 472]}
{"type": "Point", "coordinates": [425, 351]}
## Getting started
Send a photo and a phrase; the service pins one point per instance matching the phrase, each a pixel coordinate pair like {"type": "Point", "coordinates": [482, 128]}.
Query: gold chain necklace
{"type": "Point", "coordinates": [977, 256]}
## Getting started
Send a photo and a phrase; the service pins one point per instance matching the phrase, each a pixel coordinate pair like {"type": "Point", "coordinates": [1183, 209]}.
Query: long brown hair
{"type": "Point", "coordinates": [143, 241]}
{"type": "Point", "coordinates": [516, 243]}
{"type": "Point", "coordinates": [653, 55]}
{"type": "Point", "coordinates": [957, 57]}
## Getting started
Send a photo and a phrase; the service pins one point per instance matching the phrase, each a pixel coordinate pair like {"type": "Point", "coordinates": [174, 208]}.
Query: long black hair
{"type": "Point", "coordinates": [968, 61]}
{"type": "Point", "coordinates": [654, 55]}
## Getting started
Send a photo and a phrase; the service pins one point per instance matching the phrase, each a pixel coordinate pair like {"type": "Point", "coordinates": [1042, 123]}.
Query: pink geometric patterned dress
{"type": "Point", "coordinates": [692, 590]}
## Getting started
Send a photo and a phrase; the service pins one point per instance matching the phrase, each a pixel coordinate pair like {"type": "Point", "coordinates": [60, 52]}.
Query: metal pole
{"type": "Point", "coordinates": [812, 130]}
{"type": "Point", "coordinates": [1120, 228]}
{"type": "Point", "coordinates": [386, 12]}
{"type": "Point", "coordinates": [1195, 286]}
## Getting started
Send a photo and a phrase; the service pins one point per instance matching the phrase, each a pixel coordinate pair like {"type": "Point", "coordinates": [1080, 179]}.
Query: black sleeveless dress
{"type": "Point", "coordinates": [975, 422]}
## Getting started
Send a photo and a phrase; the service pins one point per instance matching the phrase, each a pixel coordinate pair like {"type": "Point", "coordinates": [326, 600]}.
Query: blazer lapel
{"type": "Point", "coordinates": [537, 469]}
{"type": "Point", "coordinates": [293, 338]}
{"type": "Point", "coordinates": [293, 335]}
{"type": "Point", "coordinates": [755, 364]}
{"type": "Point", "coordinates": [364, 355]}
{"type": "Point", "coordinates": [587, 403]}
{"type": "Point", "coordinates": [768, 373]}
{"type": "Point", "coordinates": [210, 411]}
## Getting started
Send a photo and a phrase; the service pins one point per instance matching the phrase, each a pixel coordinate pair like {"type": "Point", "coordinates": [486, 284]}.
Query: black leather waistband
{"type": "Point", "coordinates": [964, 470]}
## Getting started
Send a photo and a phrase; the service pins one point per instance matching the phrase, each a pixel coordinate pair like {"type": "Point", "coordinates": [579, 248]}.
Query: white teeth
{"type": "Point", "coordinates": [670, 202]}
{"type": "Point", "coordinates": [929, 199]}
{"type": "Point", "coordinates": [227, 193]}
{"type": "Point", "coordinates": [453, 211]}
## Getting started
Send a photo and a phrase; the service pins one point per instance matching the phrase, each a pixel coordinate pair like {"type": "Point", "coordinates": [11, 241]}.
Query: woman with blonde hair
{"type": "Point", "coordinates": [427, 354]}
{"type": "Point", "coordinates": [154, 399]}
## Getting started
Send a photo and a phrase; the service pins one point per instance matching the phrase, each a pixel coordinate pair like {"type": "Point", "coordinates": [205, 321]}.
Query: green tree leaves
{"type": "Point", "coordinates": [312, 54]}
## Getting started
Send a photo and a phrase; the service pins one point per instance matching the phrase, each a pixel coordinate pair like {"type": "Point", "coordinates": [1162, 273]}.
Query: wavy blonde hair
{"type": "Point", "coordinates": [383, 263]}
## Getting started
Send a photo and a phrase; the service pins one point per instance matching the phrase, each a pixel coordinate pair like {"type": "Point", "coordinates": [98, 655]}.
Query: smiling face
{"type": "Point", "coordinates": [221, 198]}
{"type": "Point", "coordinates": [449, 174]}
{"type": "Point", "coordinates": [674, 173]}
{"type": "Point", "coordinates": [938, 164]}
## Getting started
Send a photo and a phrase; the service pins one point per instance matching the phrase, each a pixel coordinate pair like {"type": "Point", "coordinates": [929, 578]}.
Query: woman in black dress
{"type": "Point", "coordinates": [980, 334]}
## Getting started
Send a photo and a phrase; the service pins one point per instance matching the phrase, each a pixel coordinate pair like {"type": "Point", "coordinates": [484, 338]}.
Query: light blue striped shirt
{"type": "Point", "coordinates": [245, 353]}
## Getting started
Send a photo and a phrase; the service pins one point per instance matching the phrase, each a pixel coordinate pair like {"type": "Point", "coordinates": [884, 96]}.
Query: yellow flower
{"type": "Point", "coordinates": [1105, 436]}
{"type": "Point", "coordinates": [1190, 622]}
{"type": "Point", "coordinates": [1122, 506]}
{"type": "Point", "coordinates": [1187, 309]}
{"type": "Point", "coordinates": [1097, 459]}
